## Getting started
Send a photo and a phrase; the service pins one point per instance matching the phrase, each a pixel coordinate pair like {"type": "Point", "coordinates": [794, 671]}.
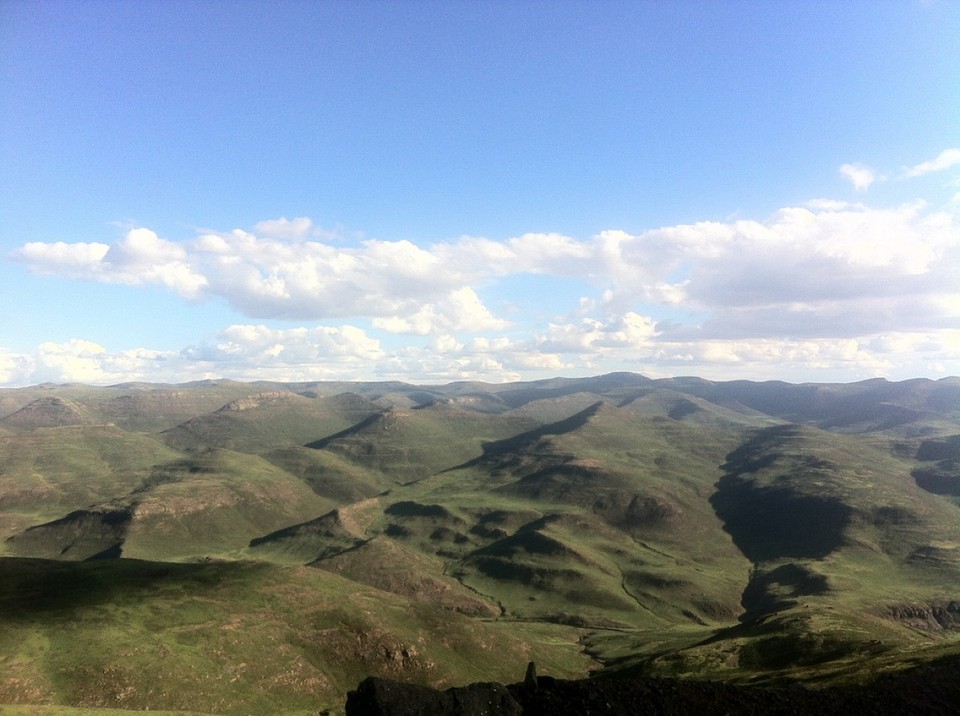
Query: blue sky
{"type": "Point", "coordinates": [478, 190]}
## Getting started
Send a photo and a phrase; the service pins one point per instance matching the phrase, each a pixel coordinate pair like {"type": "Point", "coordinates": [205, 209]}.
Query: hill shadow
{"type": "Point", "coordinates": [775, 521]}
{"type": "Point", "coordinates": [347, 432]}
{"type": "Point", "coordinates": [518, 443]}
{"type": "Point", "coordinates": [35, 588]}
{"type": "Point", "coordinates": [779, 589]}
{"type": "Point", "coordinates": [941, 473]}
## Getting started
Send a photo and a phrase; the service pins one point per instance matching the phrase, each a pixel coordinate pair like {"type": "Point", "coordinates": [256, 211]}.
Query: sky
{"type": "Point", "coordinates": [493, 191]}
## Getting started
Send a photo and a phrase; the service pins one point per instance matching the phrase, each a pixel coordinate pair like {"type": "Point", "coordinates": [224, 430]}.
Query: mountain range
{"type": "Point", "coordinates": [220, 547]}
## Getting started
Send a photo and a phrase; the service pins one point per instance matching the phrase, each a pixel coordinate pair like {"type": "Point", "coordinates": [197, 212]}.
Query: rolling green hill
{"type": "Point", "coordinates": [236, 637]}
{"type": "Point", "coordinates": [222, 547]}
{"type": "Point", "coordinates": [268, 421]}
{"type": "Point", "coordinates": [48, 472]}
{"type": "Point", "coordinates": [211, 504]}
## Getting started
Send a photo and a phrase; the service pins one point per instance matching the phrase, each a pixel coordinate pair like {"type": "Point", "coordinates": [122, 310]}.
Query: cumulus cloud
{"type": "Point", "coordinates": [255, 345]}
{"type": "Point", "coordinates": [757, 356]}
{"type": "Point", "coordinates": [822, 254]}
{"type": "Point", "coordinates": [263, 277]}
{"type": "Point", "coordinates": [142, 257]}
{"type": "Point", "coordinates": [82, 361]}
{"type": "Point", "coordinates": [532, 253]}
{"type": "Point", "coordinates": [894, 355]}
{"type": "Point", "coordinates": [74, 361]}
{"type": "Point", "coordinates": [139, 258]}
{"type": "Point", "coordinates": [79, 260]}
{"type": "Point", "coordinates": [811, 255]}
{"type": "Point", "coordinates": [859, 175]}
{"type": "Point", "coordinates": [817, 285]}
{"type": "Point", "coordinates": [240, 351]}
{"type": "Point", "coordinates": [630, 331]}
{"type": "Point", "coordinates": [15, 369]}
{"type": "Point", "coordinates": [459, 311]}
{"type": "Point", "coordinates": [301, 227]}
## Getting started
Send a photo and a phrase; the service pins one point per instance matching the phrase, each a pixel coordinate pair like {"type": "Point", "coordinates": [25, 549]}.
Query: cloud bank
{"type": "Point", "coordinates": [823, 259]}
{"type": "Point", "coordinates": [831, 289]}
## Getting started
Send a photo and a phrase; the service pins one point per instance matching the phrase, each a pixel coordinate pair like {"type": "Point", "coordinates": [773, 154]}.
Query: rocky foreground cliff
{"type": "Point", "coordinates": [932, 690]}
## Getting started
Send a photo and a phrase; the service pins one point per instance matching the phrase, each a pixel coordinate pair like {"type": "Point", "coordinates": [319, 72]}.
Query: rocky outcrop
{"type": "Point", "coordinates": [383, 697]}
{"type": "Point", "coordinates": [258, 400]}
{"type": "Point", "coordinates": [933, 690]}
{"type": "Point", "coordinates": [929, 617]}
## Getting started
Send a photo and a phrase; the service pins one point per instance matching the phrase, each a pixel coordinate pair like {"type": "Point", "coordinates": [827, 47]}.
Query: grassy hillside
{"type": "Point", "coordinates": [410, 444]}
{"type": "Point", "coordinates": [211, 504]}
{"type": "Point", "coordinates": [855, 569]}
{"type": "Point", "coordinates": [237, 637]}
{"type": "Point", "coordinates": [269, 420]}
{"type": "Point", "coordinates": [222, 547]}
{"type": "Point", "coordinates": [582, 521]}
{"type": "Point", "coordinates": [49, 472]}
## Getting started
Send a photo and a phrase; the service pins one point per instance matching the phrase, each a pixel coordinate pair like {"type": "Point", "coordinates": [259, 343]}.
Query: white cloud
{"type": "Point", "coordinates": [834, 257]}
{"type": "Point", "coordinates": [630, 331]}
{"type": "Point", "coordinates": [254, 345]}
{"type": "Point", "coordinates": [15, 369]}
{"type": "Point", "coordinates": [142, 257]}
{"type": "Point", "coordinates": [265, 278]}
{"type": "Point", "coordinates": [446, 344]}
{"type": "Point", "coordinates": [812, 287]}
{"type": "Point", "coordinates": [945, 160]}
{"type": "Point", "coordinates": [78, 260]}
{"type": "Point", "coordinates": [138, 259]}
{"type": "Point", "coordinates": [243, 352]}
{"type": "Point", "coordinates": [827, 259]}
{"type": "Point", "coordinates": [540, 362]}
{"type": "Point", "coordinates": [301, 227]}
{"type": "Point", "coordinates": [533, 253]}
{"type": "Point", "coordinates": [859, 175]}
{"type": "Point", "coordinates": [251, 352]}
{"type": "Point", "coordinates": [894, 355]}
{"type": "Point", "coordinates": [458, 312]}
{"type": "Point", "coordinates": [76, 361]}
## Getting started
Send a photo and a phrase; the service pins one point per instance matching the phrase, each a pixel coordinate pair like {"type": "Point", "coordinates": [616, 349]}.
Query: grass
{"type": "Point", "coordinates": [300, 543]}
{"type": "Point", "coordinates": [210, 504]}
{"type": "Point", "coordinates": [36, 710]}
{"type": "Point", "coordinates": [407, 445]}
{"type": "Point", "coordinates": [268, 421]}
{"type": "Point", "coordinates": [52, 471]}
{"type": "Point", "coordinates": [235, 636]}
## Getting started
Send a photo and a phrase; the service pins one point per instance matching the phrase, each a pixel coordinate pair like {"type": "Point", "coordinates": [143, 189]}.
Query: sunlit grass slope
{"type": "Point", "coordinates": [49, 472]}
{"type": "Point", "coordinates": [237, 637]}
{"type": "Point", "coordinates": [212, 503]}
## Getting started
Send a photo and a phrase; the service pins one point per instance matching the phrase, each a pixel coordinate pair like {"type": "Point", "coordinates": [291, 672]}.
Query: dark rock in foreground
{"type": "Point", "coordinates": [383, 697]}
{"type": "Point", "coordinates": [932, 690]}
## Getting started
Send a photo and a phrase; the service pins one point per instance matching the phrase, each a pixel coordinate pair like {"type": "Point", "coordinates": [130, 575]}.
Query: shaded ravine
{"type": "Point", "coordinates": [775, 522]}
